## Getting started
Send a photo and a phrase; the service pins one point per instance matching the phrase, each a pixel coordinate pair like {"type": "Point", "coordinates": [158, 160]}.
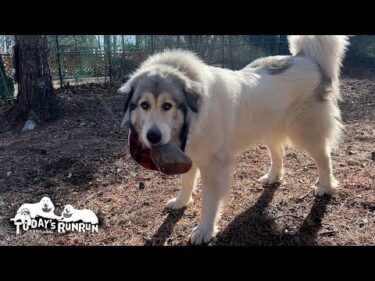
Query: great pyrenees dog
{"type": "Point", "coordinates": [276, 100]}
{"type": "Point", "coordinates": [71, 214]}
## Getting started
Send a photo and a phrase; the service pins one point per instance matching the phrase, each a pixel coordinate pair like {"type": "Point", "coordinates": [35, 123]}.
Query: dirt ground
{"type": "Point", "coordinates": [82, 159]}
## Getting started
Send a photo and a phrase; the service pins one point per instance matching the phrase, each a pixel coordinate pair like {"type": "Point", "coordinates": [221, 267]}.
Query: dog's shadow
{"type": "Point", "coordinates": [166, 229]}
{"type": "Point", "coordinates": [257, 227]}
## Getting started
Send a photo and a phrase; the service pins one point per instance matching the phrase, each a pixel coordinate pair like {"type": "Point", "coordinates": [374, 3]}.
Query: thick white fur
{"type": "Point", "coordinates": [36, 209]}
{"type": "Point", "coordinates": [84, 215]}
{"type": "Point", "coordinates": [326, 50]}
{"type": "Point", "coordinates": [240, 109]}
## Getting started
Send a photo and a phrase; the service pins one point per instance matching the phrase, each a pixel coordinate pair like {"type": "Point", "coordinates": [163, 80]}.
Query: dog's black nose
{"type": "Point", "coordinates": [154, 136]}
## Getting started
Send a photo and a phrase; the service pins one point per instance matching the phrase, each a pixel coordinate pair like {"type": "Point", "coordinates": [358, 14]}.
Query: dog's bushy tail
{"type": "Point", "coordinates": [327, 51]}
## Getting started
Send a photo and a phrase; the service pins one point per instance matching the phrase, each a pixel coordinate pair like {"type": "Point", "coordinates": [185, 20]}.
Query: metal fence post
{"type": "Point", "coordinates": [123, 43]}
{"type": "Point", "coordinates": [109, 66]}
{"type": "Point", "coordinates": [222, 51]}
{"type": "Point", "coordinates": [249, 45]}
{"type": "Point", "coordinates": [109, 60]}
{"type": "Point", "coordinates": [58, 60]}
{"type": "Point", "coordinates": [152, 44]}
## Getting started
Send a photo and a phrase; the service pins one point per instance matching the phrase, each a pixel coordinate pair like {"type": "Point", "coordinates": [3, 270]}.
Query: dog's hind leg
{"type": "Point", "coordinates": [276, 171]}
{"type": "Point", "coordinates": [322, 158]}
{"type": "Point", "coordinates": [315, 126]}
{"type": "Point", "coordinates": [216, 178]}
{"type": "Point", "coordinates": [187, 186]}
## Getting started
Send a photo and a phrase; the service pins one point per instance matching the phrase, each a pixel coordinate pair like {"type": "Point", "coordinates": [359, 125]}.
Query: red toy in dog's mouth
{"type": "Point", "coordinates": [168, 158]}
{"type": "Point", "coordinates": [140, 153]}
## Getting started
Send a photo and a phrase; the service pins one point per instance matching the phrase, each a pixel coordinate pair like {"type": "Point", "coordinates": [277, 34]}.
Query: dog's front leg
{"type": "Point", "coordinates": [187, 186]}
{"type": "Point", "coordinates": [216, 178]}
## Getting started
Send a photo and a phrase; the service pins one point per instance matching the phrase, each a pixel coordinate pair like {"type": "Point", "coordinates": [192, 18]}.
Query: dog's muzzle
{"type": "Point", "coordinates": [140, 153]}
{"type": "Point", "coordinates": [67, 215]}
{"type": "Point", "coordinates": [46, 209]}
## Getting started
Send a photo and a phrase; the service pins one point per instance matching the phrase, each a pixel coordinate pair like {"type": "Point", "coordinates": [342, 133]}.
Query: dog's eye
{"type": "Point", "coordinates": [145, 105]}
{"type": "Point", "coordinates": [167, 106]}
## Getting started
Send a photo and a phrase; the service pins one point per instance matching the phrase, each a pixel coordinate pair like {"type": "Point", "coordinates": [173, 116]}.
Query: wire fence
{"type": "Point", "coordinates": [113, 60]}
{"type": "Point", "coordinates": [117, 65]}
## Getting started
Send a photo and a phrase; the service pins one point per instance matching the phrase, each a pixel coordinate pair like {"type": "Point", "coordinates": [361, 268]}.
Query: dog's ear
{"type": "Point", "coordinates": [193, 93]}
{"type": "Point", "coordinates": [128, 91]}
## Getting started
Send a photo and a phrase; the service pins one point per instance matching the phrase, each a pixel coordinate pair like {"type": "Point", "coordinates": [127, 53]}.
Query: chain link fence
{"type": "Point", "coordinates": [97, 59]}
{"type": "Point", "coordinates": [113, 63]}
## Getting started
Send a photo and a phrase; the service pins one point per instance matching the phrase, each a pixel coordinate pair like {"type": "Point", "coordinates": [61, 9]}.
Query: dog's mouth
{"type": "Point", "coordinates": [169, 158]}
{"type": "Point", "coordinates": [46, 209]}
{"type": "Point", "coordinates": [67, 215]}
{"type": "Point", "coordinates": [139, 152]}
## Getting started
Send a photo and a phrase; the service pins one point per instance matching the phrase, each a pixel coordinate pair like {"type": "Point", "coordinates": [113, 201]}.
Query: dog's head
{"type": "Point", "coordinates": [68, 211]}
{"type": "Point", "coordinates": [47, 205]}
{"type": "Point", "coordinates": [159, 100]}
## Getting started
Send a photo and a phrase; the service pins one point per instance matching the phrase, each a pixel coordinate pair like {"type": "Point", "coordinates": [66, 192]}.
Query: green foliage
{"type": "Point", "coordinates": [6, 83]}
{"type": "Point", "coordinates": [361, 50]}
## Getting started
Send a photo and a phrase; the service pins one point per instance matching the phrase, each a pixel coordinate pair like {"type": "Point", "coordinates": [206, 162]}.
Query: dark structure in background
{"type": "Point", "coordinates": [86, 58]}
{"type": "Point", "coordinates": [36, 99]}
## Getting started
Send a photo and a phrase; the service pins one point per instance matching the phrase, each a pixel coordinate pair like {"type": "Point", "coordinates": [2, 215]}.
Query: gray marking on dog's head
{"type": "Point", "coordinates": [162, 78]}
{"type": "Point", "coordinates": [273, 65]}
{"type": "Point", "coordinates": [174, 78]}
{"type": "Point", "coordinates": [155, 86]}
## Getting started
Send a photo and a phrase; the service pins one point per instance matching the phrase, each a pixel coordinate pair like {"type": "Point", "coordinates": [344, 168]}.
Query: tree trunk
{"type": "Point", "coordinates": [36, 99]}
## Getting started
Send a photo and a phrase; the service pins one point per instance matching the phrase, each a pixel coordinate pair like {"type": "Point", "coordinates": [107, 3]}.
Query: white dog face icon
{"type": "Point", "coordinates": [25, 216]}
{"type": "Point", "coordinates": [70, 214]}
{"type": "Point", "coordinates": [47, 205]}
{"type": "Point", "coordinates": [68, 211]}
{"type": "Point", "coordinates": [44, 208]}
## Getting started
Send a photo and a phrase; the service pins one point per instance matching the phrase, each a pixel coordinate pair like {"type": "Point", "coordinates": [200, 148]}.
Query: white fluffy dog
{"type": "Point", "coordinates": [275, 100]}
{"type": "Point", "coordinates": [70, 214]}
{"type": "Point", "coordinates": [44, 208]}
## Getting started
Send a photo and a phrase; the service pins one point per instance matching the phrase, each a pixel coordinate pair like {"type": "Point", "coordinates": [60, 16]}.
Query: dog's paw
{"type": "Point", "coordinates": [202, 234]}
{"type": "Point", "coordinates": [325, 189]}
{"type": "Point", "coordinates": [176, 204]}
{"type": "Point", "coordinates": [321, 190]}
{"type": "Point", "coordinates": [269, 179]}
